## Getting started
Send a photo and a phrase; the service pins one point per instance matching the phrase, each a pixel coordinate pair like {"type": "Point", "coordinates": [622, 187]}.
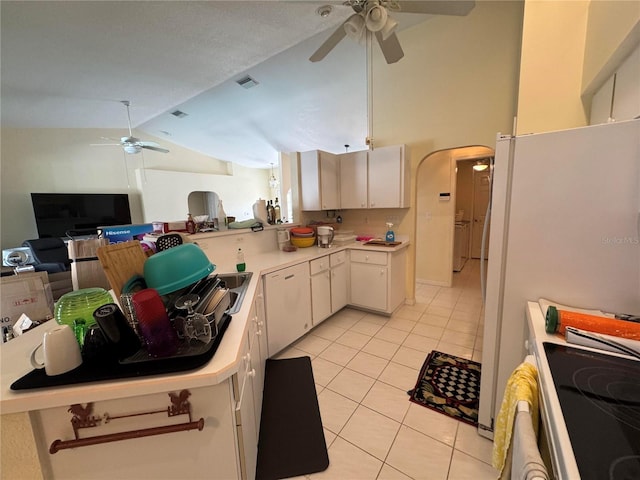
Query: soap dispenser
{"type": "Point", "coordinates": [240, 265]}
{"type": "Point", "coordinates": [390, 237]}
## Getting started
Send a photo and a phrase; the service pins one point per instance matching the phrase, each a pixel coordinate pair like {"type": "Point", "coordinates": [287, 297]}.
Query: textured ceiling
{"type": "Point", "coordinates": [69, 64]}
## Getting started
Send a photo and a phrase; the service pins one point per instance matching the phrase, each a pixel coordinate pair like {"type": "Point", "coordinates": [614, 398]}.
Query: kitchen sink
{"type": "Point", "coordinates": [237, 284]}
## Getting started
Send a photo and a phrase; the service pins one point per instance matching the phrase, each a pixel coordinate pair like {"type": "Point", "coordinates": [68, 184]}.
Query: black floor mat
{"type": "Point", "coordinates": [291, 437]}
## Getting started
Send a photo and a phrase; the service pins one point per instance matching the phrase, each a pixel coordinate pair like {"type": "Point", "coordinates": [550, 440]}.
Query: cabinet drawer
{"type": "Point", "coordinates": [337, 258]}
{"type": "Point", "coordinates": [374, 258]}
{"type": "Point", "coordinates": [319, 265]}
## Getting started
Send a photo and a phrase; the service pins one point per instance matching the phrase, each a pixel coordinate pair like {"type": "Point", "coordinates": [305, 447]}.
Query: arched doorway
{"type": "Point", "coordinates": [436, 197]}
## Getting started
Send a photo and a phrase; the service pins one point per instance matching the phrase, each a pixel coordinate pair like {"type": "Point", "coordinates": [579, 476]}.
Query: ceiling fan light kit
{"type": "Point", "coordinates": [372, 16]}
{"type": "Point", "coordinates": [355, 27]}
{"type": "Point", "coordinates": [132, 145]}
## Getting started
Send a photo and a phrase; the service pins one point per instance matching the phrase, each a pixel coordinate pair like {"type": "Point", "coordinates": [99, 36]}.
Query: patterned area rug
{"type": "Point", "coordinates": [449, 385]}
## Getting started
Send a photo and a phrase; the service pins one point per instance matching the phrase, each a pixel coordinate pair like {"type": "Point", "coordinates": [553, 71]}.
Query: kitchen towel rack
{"type": "Point", "coordinates": [83, 418]}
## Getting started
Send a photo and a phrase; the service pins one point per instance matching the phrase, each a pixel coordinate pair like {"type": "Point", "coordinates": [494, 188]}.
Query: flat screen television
{"type": "Point", "coordinates": [59, 213]}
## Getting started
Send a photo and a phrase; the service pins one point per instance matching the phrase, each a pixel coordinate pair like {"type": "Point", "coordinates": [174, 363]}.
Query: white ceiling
{"type": "Point", "coordinates": [68, 64]}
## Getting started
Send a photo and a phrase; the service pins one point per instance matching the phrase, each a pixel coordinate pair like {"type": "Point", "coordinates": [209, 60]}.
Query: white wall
{"type": "Point", "coordinates": [165, 193]}
{"type": "Point", "coordinates": [62, 160]}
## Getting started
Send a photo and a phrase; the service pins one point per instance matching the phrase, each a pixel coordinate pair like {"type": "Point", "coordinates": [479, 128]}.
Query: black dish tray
{"type": "Point", "coordinates": [111, 369]}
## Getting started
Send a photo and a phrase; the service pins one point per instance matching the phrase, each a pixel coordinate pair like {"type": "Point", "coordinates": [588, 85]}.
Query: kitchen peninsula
{"type": "Point", "coordinates": [219, 403]}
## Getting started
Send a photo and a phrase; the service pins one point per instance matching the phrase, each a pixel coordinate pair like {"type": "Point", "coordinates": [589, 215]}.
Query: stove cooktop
{"type": "Point", "coordinates": [600, 399]}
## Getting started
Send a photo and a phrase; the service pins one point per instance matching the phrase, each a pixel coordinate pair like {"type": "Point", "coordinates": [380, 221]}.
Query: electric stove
{"type": "Point", "coordinates": [599, 396]}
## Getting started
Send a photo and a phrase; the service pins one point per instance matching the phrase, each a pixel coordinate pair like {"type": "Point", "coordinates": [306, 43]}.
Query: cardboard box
{"type": "Point", "coordinates": [126, 233]}
{"type": "Point", "coordinates": [28, 293]}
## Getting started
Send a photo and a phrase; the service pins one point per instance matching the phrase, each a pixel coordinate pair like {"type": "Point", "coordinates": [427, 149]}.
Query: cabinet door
{"type": "Point", "coordinates": [259, 353]}
{"type": "Point", "coordinates": [319, 181]}
{"type": "Point", "coordinates": [246, 426]}
{"type": "Point", "coordinates": [369, 286]}
{"type": "Point", "coordinates": [353, 180]}
{"type": "Point", "coordinates": [339, 287]}
{"type": "Point", "coordinates": [321, 296]}
{"type": "Point", "coordinates": [310, 180]}
{"type": "Point", "coordinates": [329, 181]}
{"type": "Point", "coordinates": [388, 178]}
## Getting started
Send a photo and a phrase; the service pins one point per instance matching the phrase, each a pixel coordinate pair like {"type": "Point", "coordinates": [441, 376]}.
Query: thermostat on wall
{"type": "Point", "coordinates": [445, 196]}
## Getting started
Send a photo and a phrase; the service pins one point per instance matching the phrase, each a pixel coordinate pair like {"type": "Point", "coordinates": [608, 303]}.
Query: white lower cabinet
{"type": "Point", "coordinates": [226, 447]}
{"type": "Point", "coordinates": [249, 386]}
{"type": "Point", "coordinates": [378, 279]}
{"type": "Point", "coordinates": [329, 285]}
{"type": "Point", "coordinates": [210, 453]}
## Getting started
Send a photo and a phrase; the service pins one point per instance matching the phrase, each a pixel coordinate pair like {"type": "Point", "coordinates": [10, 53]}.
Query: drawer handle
{"type": "Point", "coordinates": [83, 418]}
{"type": "Point", "coordinates": [290, 276]}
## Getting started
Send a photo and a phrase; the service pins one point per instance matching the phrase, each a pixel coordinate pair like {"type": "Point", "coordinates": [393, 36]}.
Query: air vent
{"type": "Point", "coordinates": [179, 114]}
{"type": "Point", "coordinates": [247, 82]}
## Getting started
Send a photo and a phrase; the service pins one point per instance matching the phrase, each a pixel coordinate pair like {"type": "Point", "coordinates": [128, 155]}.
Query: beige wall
{"type": "Point", "coordinates": [63, 160]}
{"type": "Point", "coordinates": [569, 50]}
{"type": "Point", "coordinates": [613, 31]}
{"type": "Point", "coordinates": [553, 40]}
{"type": "Point", "coordinates": [461, 91]}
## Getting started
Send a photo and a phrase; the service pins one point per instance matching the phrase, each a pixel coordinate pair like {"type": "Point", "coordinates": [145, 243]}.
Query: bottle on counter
{"type": "Point", "coordinates": [277, 214]}
{"type": "Point", "coordinates": [271, 213]}
{"type": "Point", "coordinates": [240, 265]}
{"type": "Point", "coordinates": [390, 236]}
{"type": "Point", "coordinates": [191, 224]}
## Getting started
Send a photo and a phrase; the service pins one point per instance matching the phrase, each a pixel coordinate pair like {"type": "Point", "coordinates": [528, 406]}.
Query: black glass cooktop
{"type": "Point", "coordinates": [600, 399]}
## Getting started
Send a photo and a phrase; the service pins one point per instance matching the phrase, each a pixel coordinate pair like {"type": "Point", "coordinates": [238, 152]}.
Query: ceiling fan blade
{"type": "Point", "coordinates": [436, 7]}
{"type": "Point", "coordinates": [104, 145]}
{"type": "Point", "coordinates": [329, 44]}
{"type": "Point", "coordinates": [390, 47]}
{"type": "Point", "coordinates": [154, 148]}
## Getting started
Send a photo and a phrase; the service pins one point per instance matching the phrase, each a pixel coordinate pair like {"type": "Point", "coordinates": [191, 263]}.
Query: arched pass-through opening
{"type": "Point", "coordinates": [436, 197]}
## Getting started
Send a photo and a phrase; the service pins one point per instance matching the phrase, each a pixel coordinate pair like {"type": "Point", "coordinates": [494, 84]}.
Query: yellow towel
{"type": "Point", "coordinates": [522, 385]}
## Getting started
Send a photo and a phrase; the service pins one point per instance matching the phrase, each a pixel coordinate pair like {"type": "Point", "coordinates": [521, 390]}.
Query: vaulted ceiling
{"type": "Point", "coordinates": [68, 64]}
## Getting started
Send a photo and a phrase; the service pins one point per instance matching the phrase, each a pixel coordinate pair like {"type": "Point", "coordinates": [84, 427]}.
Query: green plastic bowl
{"type": "Point", "coordinates": [176, 268]}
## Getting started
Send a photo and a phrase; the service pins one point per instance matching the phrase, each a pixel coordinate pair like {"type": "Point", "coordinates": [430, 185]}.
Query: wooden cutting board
{"type": "Point", "coordinates": [382, 243]}
{"type": "Point", "coordinates": [120, 262]}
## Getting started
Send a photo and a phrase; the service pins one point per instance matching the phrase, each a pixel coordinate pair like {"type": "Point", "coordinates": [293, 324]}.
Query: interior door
{"type": "Point", "coordinates": [481, 194]}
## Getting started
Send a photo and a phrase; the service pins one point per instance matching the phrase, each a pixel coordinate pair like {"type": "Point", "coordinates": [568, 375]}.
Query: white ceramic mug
{"type": "Point", "coordinates": [60, 350]}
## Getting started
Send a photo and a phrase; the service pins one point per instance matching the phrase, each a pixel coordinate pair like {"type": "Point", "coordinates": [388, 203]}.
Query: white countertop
{"type": "Point", "coordinates": [15, 354]}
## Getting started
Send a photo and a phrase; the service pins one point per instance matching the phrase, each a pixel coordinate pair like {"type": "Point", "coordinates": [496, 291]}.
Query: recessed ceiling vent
{"type": "Point", "coordinates": [247, 82]}
{"type": "Point", "coordinates": [179, 114]}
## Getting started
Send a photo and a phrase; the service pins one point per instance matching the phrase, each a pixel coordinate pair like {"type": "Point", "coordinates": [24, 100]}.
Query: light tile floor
{"type": "Point", "coordinates": [363, 365]}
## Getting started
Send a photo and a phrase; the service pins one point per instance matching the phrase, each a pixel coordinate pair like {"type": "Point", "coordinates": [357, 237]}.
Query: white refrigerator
{"type": "Point", "coordinates": [565, 225]}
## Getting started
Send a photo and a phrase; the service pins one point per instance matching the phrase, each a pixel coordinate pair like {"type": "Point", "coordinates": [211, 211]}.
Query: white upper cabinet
{"type": "Point", "coordinates": [353, 180]}
{"type": "Point", "coordinates": [388, 177]}
{"type": "Point", "coordinates": [319, 180]}
{"type": "Point", "coordinates": [367, 179]}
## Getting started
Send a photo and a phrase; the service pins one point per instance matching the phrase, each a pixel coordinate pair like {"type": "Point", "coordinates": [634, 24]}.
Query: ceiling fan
{"type": "Point", "coordinates": [131, 144]}
{"type": "Point", "coordinates": [373, 16]}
